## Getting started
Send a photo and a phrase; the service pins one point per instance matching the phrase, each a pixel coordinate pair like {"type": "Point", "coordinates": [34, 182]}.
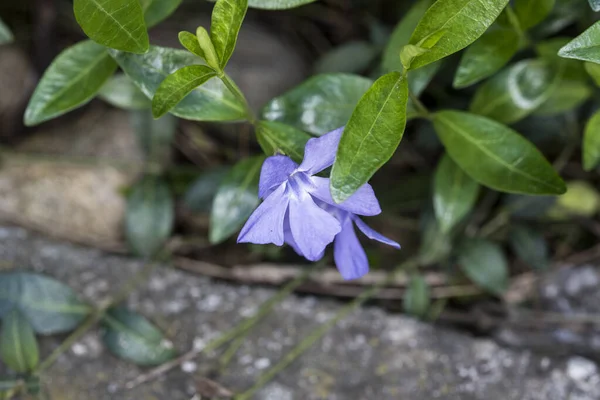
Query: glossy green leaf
{"type": "Point", "coordinates": [235, 200]}
{"type": "Point", "coordinates": [454, 193]}
{"type": "Point", "coordinates": [495, 155]}
{"type": "Point", "coordinates": [591, 142]}
{"type": "Point", "coordinates": [118, 24]}
{"type": "Point", "coordinates": [584, 47]}
{"type": "Point", "coordinates": [457, 23]}
{"type": "Point", "coordinates": [350, 57]}
{"type": "Point", "coordinates": [593, 70]}
{"type": "Point", "coordinates": [226, 22]}
{"type": "Point", "coordinates": [485, 264]}
{"type": "Point", "coordinates": [190, 42]}
{"type": "Point", "coordinates": [486, 56]}
{"type": "Point", "coordinates": [567, 96]}
{"type": "Point", "coordinates": [73, 79]}
{"type": "Point", "coordinates": [530, 246]}
{"type": "Point", "coordinates": [532, 12]}
{"type": "Point", "coordinates": [208, 48]}
{"type": "Point", "coordinates": [200, 195]}
{"type": "Point", "coordinates": [371, 136]}
{"type": "Point", "coordinates": [120, 92]}
{"type": "Point", "coordinates": [209, 102]}
{"type": "Point", "coordinates": [418, 297]}
{"type": "Point", "coordinates": [275, 137]}
{"type": "Point", "coordinates": [401, 36]}
{"type": "Point", "coordinates": [595, 4]}
{"type": "Point", "coordinates": [177, 86]}
{"type": "Point", "coordinates": [18, 346]}
{"type": "Point", "coordinates": [132, 337]}
{"type": "Point", "coordinates": [156, 11]}
{"type": "Point", "coordinates": [278, 4]}
{"type": "Point", "coordinates": [49, 305]}
{"type": "Point", "coordinates": [149, 216]}
{"type": "Point", "coordinates": [517, 91]}
{"type": "Point", "coordinates": [6, 35]}
{"type": "Point", "coordinates": [320, 104]}
{"type": "Point", "coordinates": [155, 136]}
{"type": "Point", "coordinates": [409, 53]}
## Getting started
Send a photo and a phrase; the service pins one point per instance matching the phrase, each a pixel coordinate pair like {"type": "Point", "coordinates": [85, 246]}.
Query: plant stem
{"type": "Point", "coordinates": [423, 111]}
{"type": "Point", "coordinates": [235, 90]}
{"type": "Point", "coordinates": [321, 331]}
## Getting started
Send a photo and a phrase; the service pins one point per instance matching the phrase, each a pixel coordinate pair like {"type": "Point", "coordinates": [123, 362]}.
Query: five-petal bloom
{"type": "Point", "coordinates": [298, 209]}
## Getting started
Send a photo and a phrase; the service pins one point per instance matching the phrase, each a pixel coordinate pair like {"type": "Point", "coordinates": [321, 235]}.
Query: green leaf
{"type": "Point", "coordinates": [158, 10]}
{"type": "Point", "coordinates": [320, 104]}
{"type": "Point", "coordinates": [486, 56]}
{"type": "Point", "coordinates": [155, 136]}
{"type": "Point", "coordinates": [49, 305]}
{"type": "Point", "coordinates": [495, 155]}
{"type": "Point", "coordinates": [199, 197]}
{"type": "Point", "coordinates": [73, 79]}
{"type": "Point", "coordinates": [567, 96]}
{"type": "Point", "coordinates": [132, 337]}
{"type": "Point", "coordinates": [177, 86]}
{"type": "Point", "coordinates": [226, 22]}
{"type": "Point", "coordinates": [417, 298]}
{"type": "Point", "coordinates": [436, 245]}
{"type": "Point", "coordinates": [532, 12]}
{"type": "Point", "coordinates": [208, 48]}
{"type": "Point", "coordinates": [6, 35]}
{"type": "Point", "coordinates": [190, 42]}
{"type": "Point", "coordinates": [18, 346]}
{"type": "Point", "coordinates": [591, 142]}
{"type": "Point", "coordinates": [120, 92]}
{"type": "Point", "coordinates": [278, 4]}
{"type": "Point", "coordinates": [595, 4]}
{"type": "Point", "coordinates": [118, 24]}
{"type": "Point", "coordinates": [409, 53]}
{"type": "Point", "coordinates": [454, 194]}
{"type": "Point", "coordinates": [517, 91]}
{"type": "Point", "coordinates": [209, 102]}
{"type": "Point", "coordinates": [149, 216]}
{"type": "Point", "coordinates": [235, 200]}
{"type": "Point", "coordinates": [584, 47]}
{"type": "Point", "coordinates": [484, 263]}
{"type": "Point", "coordinates": [275, 137]}
{"type": "Point", "coordinates": [350, 57]}
{"type": "Point", "coordinates": [530, 246]}
{"type": "Point", "coordinates": [593, 70]}
{"type": "Point", "coordinates": [401, 36]}
{"type": "Point", "coordinates": [460, 21]}
{"type": "Point", "coordinates": [371, 136]}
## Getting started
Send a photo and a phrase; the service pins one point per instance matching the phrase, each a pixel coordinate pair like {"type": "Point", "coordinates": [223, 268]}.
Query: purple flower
{"type": "Point", "coordinates": [298, 209]}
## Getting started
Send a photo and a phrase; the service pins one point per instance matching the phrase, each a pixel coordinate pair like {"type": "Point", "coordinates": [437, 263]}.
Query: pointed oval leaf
{"type": "Point", "coordinates": [454, 194]}
{"type": "Point", "coordinates": [275, 137]}
{"type": "Point", "coordinates": [158, 10]}
{"type": "Point", "coordinates": [458, 23]}
{"type": "Point", "coordinates": [132, 337]}
{"type": "Point", "coordinates": [209, 102]}
{"type": "Point", "coordinates": [190, 42]}
{"type": "Point", "coordinates": [18, 346]}
{"type": "Point", "coordinates": [371, 136]}
{"type": "Point", "coordinates": [319, 105]}
{"type": "Point", "coordinates": [418, 297]}
{"type": "Point", "coordinates": [517, 91]}
{"type": "Point", "coordinates": [495, 155]}
{"type": "Point", "coordinates": [486, 56]}
{"type": "Point", "coordinates": [6, 35]}
{"type": "Point", "coordinates": [278, 4]}
{"type": "Point", "coordinates": [49, 305]}
{"type": "Point", "coordinates": [485, 264]}
{"type": "Point", "coordinates": [584, 47]}
{"type": "Point", "coordinates": [73, 79]}
{"type": "Point", "coordinates": [568, 95]}
{"type": "Point", "coordinates": [530, 246]}
{"type": "Point", "coordinates": [155, 136]}
{"type": "Point", "coordinates": [591, 142]}
{"type": "Point", "coordinates": [208, 48]}
{"type": "Point", "coordinates": [149, 216]}
{"type": "Point", "coordinates": [226, 22]}
{"type": "Point", "coordinates": [118, 24]}
{"type": "Point", "coordinates": [595, 4]}
{"type": "Point", "coordinates": [235, 200]}
{"type": "Point", "coordinates": [177, 86]}
{"type": "Point", "coordinates": [532, 12]}
{"type": "Point", "coordinates": [120, 92]}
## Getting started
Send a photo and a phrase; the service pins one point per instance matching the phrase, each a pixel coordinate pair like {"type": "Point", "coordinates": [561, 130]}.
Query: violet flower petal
{"type": "Point", "coordinates": [362, 202]}
{"type": "Point", "coordinates": [319, 153]}
{"type": "Point", "coordinates": [372, 234]}
{"type": "Point", "coordinates": [348, 253]}
{"type": "Point", "coordinates": [312, 227]}
{"type": "Point", "coordinates": [275, 170]}
{"type": "Point", "coordinates": [265, 225]}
